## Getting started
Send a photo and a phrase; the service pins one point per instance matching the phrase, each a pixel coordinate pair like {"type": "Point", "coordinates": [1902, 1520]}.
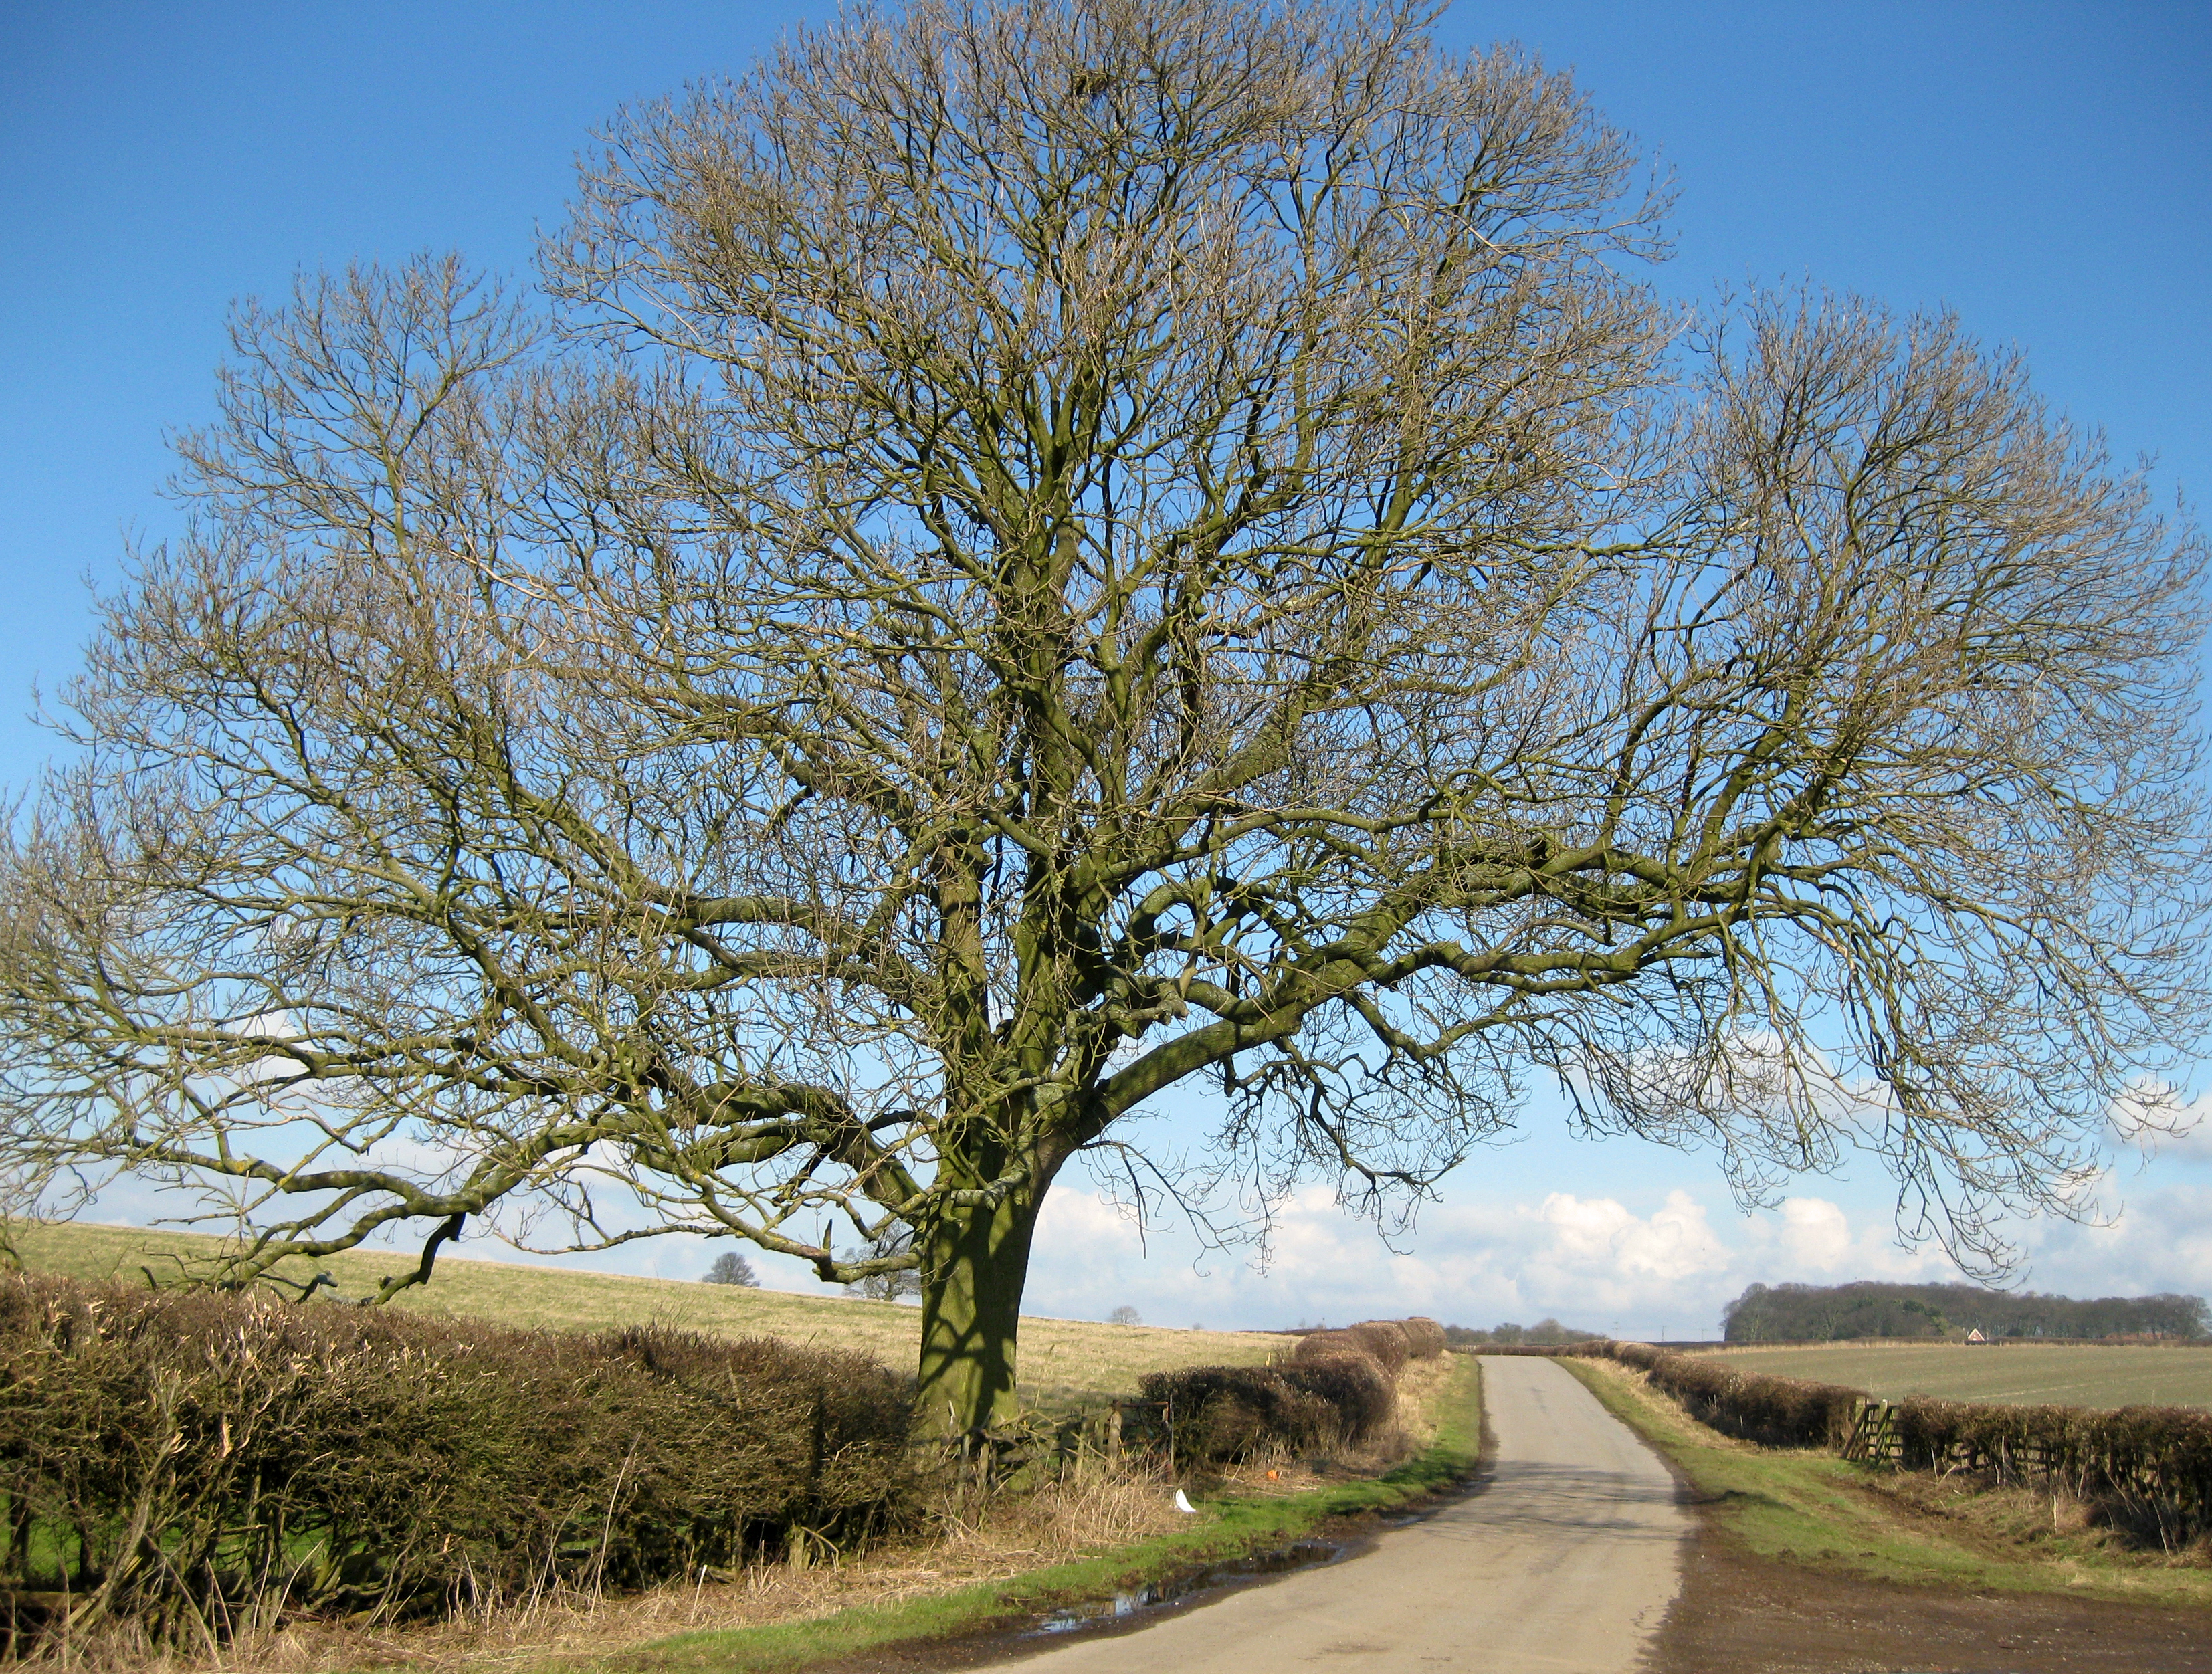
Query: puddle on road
{"type": "Point", "coordinates": [1276, 1561]}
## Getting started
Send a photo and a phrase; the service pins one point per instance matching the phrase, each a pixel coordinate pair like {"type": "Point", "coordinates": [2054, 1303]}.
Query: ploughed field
{"type": "Point", "coordinates": [2021, 1374]}
{"type": "Point", "coordinates": [1061, 1359]}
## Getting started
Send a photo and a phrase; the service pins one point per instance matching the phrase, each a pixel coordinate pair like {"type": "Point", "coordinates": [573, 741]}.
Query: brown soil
{"type": "Point", "coordinates": [1738, 1614]}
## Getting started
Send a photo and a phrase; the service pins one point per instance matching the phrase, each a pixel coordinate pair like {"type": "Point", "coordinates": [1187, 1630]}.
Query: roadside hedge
{"type": "Point", "coordinates": [1777, 1412]}
{"type": "Point", "coordinates": [1217, 1413]}
{"type": "Point", "coordinates": [1386, 1341]}
{"type": "Point", "coordinates": [1338, 1386]}
{"type": "Point", "coordinates": [1423, 1336]}
{"type": "Point", "coordinates": [184, 1464]}
{"type": "Point", "coordinates": [2149, 1469]}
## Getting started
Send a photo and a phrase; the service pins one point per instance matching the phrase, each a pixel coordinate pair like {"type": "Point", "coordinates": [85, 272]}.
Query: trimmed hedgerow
{"type": "Point", "coordinates": [1425, 1338]}
{"type": "Point", "coordinates": [1338, 1386]}
{"type": "Point", "coordinates": [182, 1462]}
{"type": "Point", "coordinates": [2147, 1468]}
{"type": "Point", "coordinates": [1317, 1345]}
{"type": "Point", "coordinates": [1362, 1392]}
{"type": "Point", "coordinates": [1218, 1414]}
{"type": "Point", "coordinates": [1386, 1341]}
{"type": "Point", "coordinates": [1209, 1413]}
{"type": "Point", "coordinates": [1779, 1412]}
{"type": "Point", "coordinates": [1383, 1341]}
{"type": "Point", "coordinates": [2151, 1467]}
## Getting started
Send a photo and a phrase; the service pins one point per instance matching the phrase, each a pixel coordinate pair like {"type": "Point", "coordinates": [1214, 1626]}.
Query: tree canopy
{"type": "Point", "coordinates": [1031, 553]}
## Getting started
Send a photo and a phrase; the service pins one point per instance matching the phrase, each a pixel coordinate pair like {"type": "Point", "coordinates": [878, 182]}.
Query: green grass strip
{"type": "Point", "coordinates": [1814, 1509]}
{"type": "Point", "coordinates": [1232, 1526]}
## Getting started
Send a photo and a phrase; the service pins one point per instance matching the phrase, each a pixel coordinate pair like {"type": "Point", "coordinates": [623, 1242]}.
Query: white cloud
{"type": "Point", "coordinates": [1594, 1261]}
{"type": "Point", "coordinates": [2156, 1240]}
{"type": "Point", "coordinates": [1814, 1235]}
{"type": "Point", "coordinates": [2192, 1142]}
{"type": "Point", "coordinates": [1588, 1259]}
{"type": "Point", "coordinates": [1598, 1238]}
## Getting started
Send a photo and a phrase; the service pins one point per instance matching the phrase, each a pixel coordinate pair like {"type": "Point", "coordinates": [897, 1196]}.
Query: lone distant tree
{"type": "Point", "coordinates": [1069, 548]}
{"type": "Point", "coordinates": [1125, 1315]}
{"type": "Point", "coordinates": [731, 1268]}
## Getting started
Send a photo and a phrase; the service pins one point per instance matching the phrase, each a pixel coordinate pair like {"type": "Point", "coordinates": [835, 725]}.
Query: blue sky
{"type": "Point", "coordinates": [2045, 169]}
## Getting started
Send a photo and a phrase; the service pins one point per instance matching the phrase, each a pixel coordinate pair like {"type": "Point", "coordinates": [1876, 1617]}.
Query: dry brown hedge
{"type": "Point", "coordinates": [1778, 1412]}
{"type": "Point", "coordinates": [183, 1462]}
{"type": "Point", "coordinates": [1209, 1413]}
{"type": "Point", "coordinates": [1386, 1340]}
{"type": "Point", "coordinates": [1425, 1338]}
{"type": "Point", "coordinates": [1337, 1386]}
{"type": "Point", "coordinates": [1215, 1414]}
{"type": "Point", "coordinates": [1317, 1345]}
{"type": "Point", "coordinates": [1387, 1348]}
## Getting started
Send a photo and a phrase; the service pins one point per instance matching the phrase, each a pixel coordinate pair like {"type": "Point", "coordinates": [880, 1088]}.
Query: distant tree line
{"type": "Point", "coordinates": [1543, 1331]}
{"type": "Point", "coordinates": [1814, 1313]}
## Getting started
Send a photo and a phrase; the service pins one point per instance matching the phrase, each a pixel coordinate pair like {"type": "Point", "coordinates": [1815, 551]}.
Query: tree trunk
{"type": "Point", "coordinates": [975, 1263]}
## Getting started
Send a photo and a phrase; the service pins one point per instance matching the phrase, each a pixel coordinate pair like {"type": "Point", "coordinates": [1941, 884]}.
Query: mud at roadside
{"type": "Point", "coordinates": [1738, 1614]}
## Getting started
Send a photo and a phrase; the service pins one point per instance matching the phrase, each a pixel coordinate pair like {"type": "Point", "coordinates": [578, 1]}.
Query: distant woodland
{"type": "Point", "coordinates": [1816, 1314]}
{"type": "Point", "coordinates": [1543, 1331]}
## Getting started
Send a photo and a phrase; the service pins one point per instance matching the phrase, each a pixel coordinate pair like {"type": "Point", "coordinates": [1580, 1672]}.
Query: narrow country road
{"type": "Point", "coordinates": [1565, 1564]}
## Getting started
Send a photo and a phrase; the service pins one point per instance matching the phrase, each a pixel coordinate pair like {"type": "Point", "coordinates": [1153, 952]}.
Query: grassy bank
{"type": "Point", "coordinates": [1234, 1523]}
{"type": "Point", "coordinates": [1813, 1508]}
{"type": "Point", "coordinates": [1061, 1359]}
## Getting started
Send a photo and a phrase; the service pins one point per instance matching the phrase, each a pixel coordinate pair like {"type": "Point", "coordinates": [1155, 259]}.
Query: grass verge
{"type": "Point", "coordinates": [1231, 1525]}
{"type": "Point", "coordinates": [1812, 1508]}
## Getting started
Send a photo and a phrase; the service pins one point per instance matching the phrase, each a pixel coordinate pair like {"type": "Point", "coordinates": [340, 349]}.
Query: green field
{"type": "Point", "coordinates": [1061, 1359]}
{"type": "Point", "coordinates": [2086, 1375]}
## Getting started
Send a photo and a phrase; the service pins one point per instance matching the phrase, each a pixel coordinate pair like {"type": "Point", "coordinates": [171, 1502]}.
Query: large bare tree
{"type": "Point", "coordinates": [1057, 549]}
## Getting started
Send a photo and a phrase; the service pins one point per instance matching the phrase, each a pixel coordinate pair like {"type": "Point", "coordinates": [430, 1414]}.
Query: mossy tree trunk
{"type": "Point", "coordinates": [975, 1260]}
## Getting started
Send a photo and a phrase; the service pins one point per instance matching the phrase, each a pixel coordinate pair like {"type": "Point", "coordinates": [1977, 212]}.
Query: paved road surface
{"type": "Point", "coordinates": [1563, 1565]}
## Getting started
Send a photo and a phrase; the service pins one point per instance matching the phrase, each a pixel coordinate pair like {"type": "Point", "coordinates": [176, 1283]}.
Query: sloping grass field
{"type": "Point", "coordinates": [2017, 1375]}
{"type": "Point", "coordinates": [1061, 1360]}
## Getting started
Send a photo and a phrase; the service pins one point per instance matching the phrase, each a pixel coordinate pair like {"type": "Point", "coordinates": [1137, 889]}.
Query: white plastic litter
{"type": "Point", "coordinates": [1183, 1503]}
